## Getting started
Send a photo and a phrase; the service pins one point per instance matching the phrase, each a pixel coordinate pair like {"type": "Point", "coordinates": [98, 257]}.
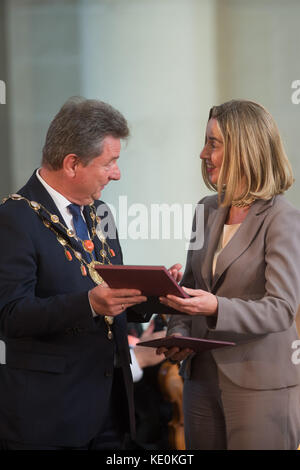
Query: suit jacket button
{"type": "Point", "coordinates": [108, 373]}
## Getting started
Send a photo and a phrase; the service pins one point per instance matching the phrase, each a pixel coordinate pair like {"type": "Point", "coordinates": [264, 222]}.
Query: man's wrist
{"type": "Point", "coordinates": [92, 309]}
{"type": "Point", "coordinates": [136, 370]}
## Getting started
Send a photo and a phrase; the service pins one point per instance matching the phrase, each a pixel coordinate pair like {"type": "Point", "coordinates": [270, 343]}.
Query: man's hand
{"type": "Point", "coordinates": [112, 302]}
{"type": "Point", "coordinates": [147, 356]}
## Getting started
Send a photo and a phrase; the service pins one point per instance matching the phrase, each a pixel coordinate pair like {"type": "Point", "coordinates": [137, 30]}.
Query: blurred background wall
{"type": "Point", "coordinates": [163, 63]}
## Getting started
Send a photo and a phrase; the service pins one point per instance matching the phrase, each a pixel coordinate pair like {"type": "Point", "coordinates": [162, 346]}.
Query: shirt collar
{"type": "Point", "coordinates": [60, 201]}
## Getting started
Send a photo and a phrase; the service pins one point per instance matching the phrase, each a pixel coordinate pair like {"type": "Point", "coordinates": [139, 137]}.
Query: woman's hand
{"type": "Point", "coordinates": [200, 302]}
{"type": "Point", "coordinates": [174, 354]}
{"type": "Point", "coordinates": [175, 272]}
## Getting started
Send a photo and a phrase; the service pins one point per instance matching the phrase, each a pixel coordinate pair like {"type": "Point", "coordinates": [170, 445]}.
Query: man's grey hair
{"type": "Point", "coordinates": [80, 127]}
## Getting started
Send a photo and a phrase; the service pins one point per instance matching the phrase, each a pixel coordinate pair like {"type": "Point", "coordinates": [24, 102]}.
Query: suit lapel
{"type": "Point", "coordinates": [35, 191]}
{"type": "Point", "coordinates": [215, 223]}
{"type": "Point", "coordinates": [97, 244]}
{"type": "Point", "coordinates": [241, 239]}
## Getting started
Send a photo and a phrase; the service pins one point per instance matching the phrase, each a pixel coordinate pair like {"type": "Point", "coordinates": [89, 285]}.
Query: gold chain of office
{"type": "Point", "coordinates": [88, 245]}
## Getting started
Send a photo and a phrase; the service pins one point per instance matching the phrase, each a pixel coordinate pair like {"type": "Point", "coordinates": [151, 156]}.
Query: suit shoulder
{"type": "Point", "coordinates": [18, 222]}
{"type": "Point", "coordinates": [210, 201]}
{"type": "Point", "coordinates": [283, 210]}
{"type": "Point", "coordinates": [283, 217]}
{"type": "Point", "coordinates": [16, 210]}
{"type": "Point", "coordinates": [281, 203]}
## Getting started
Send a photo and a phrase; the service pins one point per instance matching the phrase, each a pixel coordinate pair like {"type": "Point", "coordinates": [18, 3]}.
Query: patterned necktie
{"type": "Point", "coordinates": [80, 226]}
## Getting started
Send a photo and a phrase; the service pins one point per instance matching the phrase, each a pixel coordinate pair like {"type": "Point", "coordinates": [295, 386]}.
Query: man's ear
{"type": "Point", "coordinates": [70, 165]}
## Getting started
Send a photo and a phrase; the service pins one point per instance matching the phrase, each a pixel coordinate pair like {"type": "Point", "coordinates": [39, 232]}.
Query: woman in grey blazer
{"type": "Point", "coordinates": [244, 285]}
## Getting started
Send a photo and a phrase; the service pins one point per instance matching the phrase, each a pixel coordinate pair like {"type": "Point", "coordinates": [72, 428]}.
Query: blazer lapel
{"type": "Point", "coordinates": [215, 223]}
{"type": "Point", "coordinates": [90, 224]}
{"type": "Point", "coordinates": [241, 239]}
{"type": "Point", "coordinates": [35, 191]}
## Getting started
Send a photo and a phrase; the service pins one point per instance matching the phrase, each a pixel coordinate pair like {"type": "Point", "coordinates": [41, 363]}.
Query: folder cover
{"type": "Point", "coordinates": [152, 281]}
{"type": "Point", "coordinates": [185, 342]}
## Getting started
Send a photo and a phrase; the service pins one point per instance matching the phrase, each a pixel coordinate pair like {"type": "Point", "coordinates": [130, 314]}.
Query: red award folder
{"type": "Point", "coordinates": [152, 281]}
{"type": "Point", "coordinates": [184, 342]}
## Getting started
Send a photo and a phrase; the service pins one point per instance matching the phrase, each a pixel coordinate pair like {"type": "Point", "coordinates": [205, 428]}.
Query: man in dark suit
{"type": "Point", "coordinates": [66, 383]}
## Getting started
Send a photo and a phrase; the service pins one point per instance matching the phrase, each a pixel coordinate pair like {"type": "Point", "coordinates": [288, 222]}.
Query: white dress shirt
{"type": "Point", "coordinates": [62, 204]}
{"type": "Point", "coordinates": [137, 372]}
{"type": "Point", "coordinates": [60, 201]}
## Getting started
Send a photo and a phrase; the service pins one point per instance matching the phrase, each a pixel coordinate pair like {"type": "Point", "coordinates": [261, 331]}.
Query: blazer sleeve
{"type": "Point", "coordinates": [276, 310]}
{"type": "Point", "coordinates": [22, 313]}
{"type": "Point", "coordinates": [182, 323]}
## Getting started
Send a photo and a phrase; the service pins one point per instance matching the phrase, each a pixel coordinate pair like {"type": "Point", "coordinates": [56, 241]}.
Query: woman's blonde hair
{"type": "Point", "coordinates": [254, 158]}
